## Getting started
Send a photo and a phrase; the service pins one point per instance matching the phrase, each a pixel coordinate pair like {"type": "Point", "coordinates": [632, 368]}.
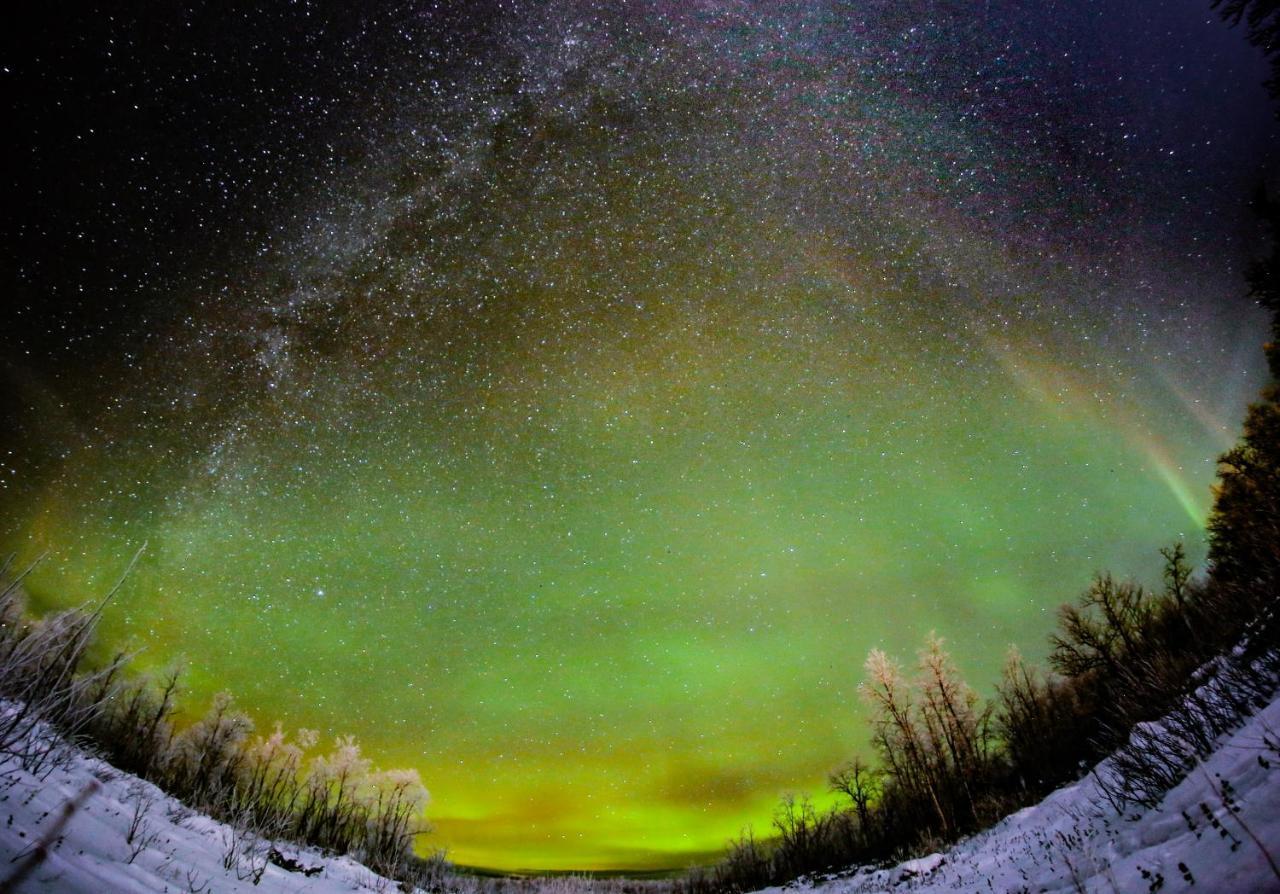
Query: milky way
{"type": "Point", "coordinates": [625, 373]}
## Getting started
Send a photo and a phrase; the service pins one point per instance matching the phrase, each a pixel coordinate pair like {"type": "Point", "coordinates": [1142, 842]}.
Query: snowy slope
{"type": "Point", "coordinates": [172, 848]}
{"type": "Point", "coordinates": [1217, 831]}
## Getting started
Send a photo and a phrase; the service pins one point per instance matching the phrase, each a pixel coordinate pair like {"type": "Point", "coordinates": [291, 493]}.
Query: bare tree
{"type": "Point", "coordinates": [861, 784]}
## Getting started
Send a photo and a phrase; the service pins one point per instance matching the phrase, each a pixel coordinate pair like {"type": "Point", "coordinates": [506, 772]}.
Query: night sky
{"type": "Point", "coordinates": [563, 397]}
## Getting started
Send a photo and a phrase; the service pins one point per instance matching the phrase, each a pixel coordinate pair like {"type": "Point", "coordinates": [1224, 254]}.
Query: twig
{"type": "Point", "coordinates": [41, 851]}
{"type": "Point", "coordinates": [1242, 824]}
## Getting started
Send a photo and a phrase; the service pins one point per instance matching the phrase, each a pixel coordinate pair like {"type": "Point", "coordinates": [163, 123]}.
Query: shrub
{"type": "Point", "coordinates": [264, 787]}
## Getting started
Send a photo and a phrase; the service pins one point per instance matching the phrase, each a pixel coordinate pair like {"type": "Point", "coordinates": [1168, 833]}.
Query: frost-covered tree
{"type": "Point", "coordinates": [931, 735]}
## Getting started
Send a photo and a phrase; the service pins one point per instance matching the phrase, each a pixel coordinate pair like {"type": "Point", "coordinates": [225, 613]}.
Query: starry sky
{"type": "Point", "coordinates": [563, 397]}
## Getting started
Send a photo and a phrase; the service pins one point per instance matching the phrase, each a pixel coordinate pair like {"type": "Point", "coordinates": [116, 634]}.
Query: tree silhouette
{"type": "Point", "coordinates": [1262, 23]}
{"type": "Point", "coordinates": [1244, 529]}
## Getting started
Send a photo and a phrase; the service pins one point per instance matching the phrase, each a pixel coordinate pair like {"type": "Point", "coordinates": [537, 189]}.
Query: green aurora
{"type": "Point", "coordinates": [588, 497]}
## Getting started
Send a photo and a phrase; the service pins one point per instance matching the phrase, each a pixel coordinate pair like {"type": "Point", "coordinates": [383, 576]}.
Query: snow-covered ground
{"type": "Point", "coordinates": [1218, 831]}
{"type": "Point", "coordinates": [127, 836]}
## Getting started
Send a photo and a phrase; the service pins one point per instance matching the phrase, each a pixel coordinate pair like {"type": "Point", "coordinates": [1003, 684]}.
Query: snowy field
{"type": "Point", "coordinates": [1218, 831]}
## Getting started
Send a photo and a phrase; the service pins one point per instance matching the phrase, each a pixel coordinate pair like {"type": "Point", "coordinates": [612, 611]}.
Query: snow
{"type": "Point", "coordinates": [1216, 831]}
{"type": "Point", "coordinates": [173, 849]}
